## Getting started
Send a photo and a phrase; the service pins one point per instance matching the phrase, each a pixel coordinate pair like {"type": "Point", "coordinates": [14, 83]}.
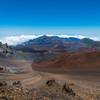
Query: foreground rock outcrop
{"type": "Point", "coordinates": [51, 90]}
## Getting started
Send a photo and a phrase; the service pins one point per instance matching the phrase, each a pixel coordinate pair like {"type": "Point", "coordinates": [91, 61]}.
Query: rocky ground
{"type": "Point", "coordinates": [51, 90]}
{"type": "Point", "coordinates": [35, 85]}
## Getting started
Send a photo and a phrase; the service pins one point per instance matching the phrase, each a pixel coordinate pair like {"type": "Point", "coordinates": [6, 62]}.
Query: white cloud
{"type": "Point", "coordinates": [77, 36]}
{"type": "Point", "coordinates": [81, 37]}
{"type": "Point", "coordinates": [13, 40]}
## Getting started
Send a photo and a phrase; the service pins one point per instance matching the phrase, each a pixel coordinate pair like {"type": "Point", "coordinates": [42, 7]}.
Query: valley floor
{"type": "Point", "coordinates": [85, 83]}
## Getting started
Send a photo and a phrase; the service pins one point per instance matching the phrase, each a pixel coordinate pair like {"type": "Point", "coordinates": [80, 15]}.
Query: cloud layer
{"type": "Point", "coordinates": [14, 40]}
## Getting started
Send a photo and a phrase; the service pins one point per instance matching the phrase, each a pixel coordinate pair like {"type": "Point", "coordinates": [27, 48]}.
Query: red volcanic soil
{"type": "Point", "coordinates": [70, 61]}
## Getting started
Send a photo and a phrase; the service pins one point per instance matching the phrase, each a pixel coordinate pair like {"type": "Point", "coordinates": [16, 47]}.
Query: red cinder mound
{"type": "Point", "coordinates": [73, 60]}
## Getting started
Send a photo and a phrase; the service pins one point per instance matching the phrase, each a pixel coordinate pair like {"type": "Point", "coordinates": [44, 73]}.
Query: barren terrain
{"type": "Point", "coordinates": [84, 82]}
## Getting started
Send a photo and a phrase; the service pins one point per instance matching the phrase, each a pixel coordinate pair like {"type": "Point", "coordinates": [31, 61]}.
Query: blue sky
{"type": "Point", "coordinates": [18, 17]}
{"type": "Point", "coordinates": [50, 13]}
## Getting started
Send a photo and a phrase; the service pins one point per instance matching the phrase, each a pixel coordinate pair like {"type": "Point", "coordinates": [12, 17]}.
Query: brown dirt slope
{"type": "Point", "coordinates": [87, 60]}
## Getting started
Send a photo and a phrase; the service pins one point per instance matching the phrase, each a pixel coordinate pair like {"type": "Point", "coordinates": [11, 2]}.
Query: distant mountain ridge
{"type": "Point", "coordinates": [55, 43]}
{"type": "Point", "coordinates": [47, 40]}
